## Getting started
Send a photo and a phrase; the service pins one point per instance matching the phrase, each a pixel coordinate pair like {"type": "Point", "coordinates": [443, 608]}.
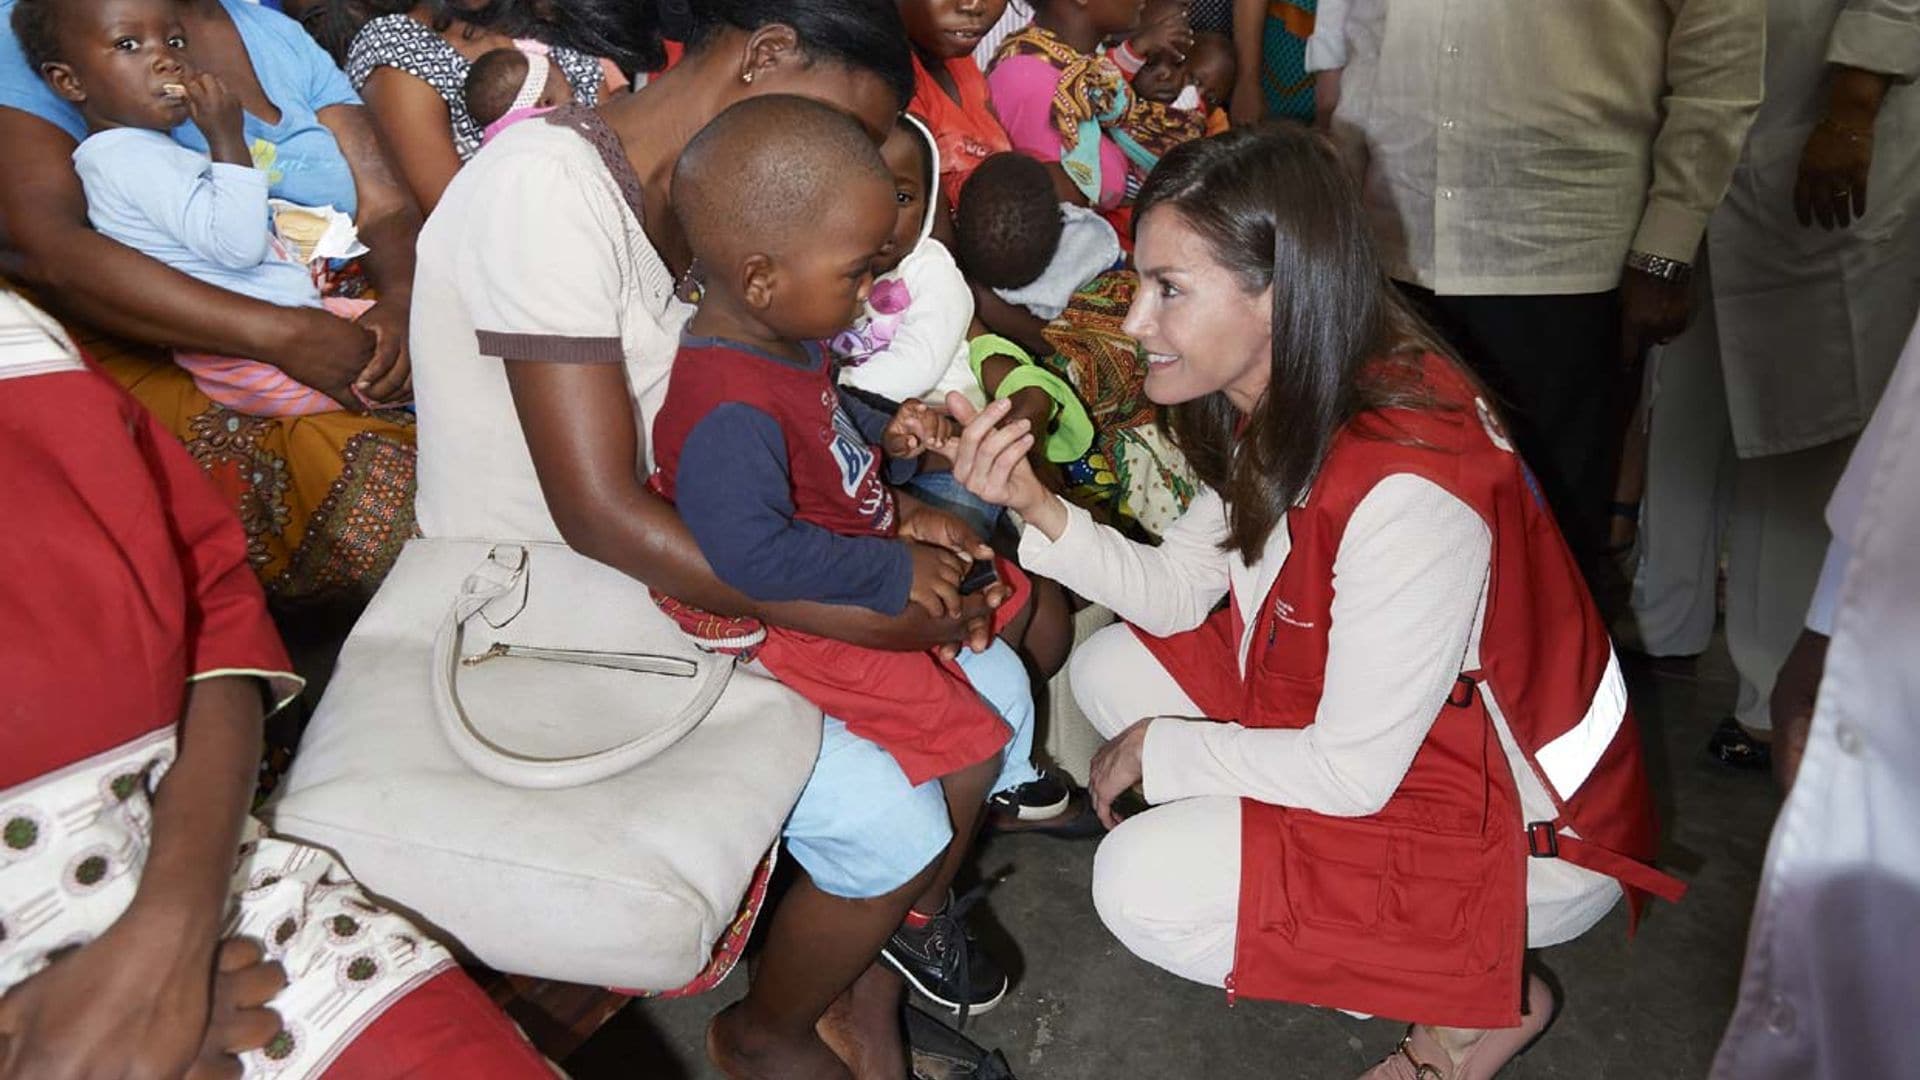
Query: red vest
{"type": "Point", "coordinates": [1419, 911]}
{"type": "Point", "coordinates": [835, 472]}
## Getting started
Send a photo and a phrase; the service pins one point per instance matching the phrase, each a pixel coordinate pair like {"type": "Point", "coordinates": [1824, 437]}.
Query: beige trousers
{"type": "Point", "coordinates": [1167, 881]}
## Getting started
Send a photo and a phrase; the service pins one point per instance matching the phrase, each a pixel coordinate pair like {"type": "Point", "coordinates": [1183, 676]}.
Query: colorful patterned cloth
{"type": "Point", "coordinates": [326, 500]}
{"type": "Point", "coordinates": [347, 958]}
{"type": "Point", "coordinates": [1094, 97]}
{"type": "Point", "coordinates": [1284, 80]}
{"type": "Point", "coordinates": [1134, 475]}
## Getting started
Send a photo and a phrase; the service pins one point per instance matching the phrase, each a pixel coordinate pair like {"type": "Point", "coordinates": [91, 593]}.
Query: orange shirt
{"type": "Point", "coordinates": [966, 131]}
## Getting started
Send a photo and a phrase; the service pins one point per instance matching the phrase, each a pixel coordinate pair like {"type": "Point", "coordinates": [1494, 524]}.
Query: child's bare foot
{"type": "Point", "coordinates": [746, 1052]}
{"type": "Point", "coordinates": [862, 1026]}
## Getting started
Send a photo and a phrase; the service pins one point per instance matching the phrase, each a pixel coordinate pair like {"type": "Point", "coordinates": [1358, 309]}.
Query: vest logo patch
{"type": "Point", "coordinates": [1284, 612]}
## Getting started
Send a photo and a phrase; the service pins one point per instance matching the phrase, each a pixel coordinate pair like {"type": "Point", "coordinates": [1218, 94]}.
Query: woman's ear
{"type": "Point", "coordinates": [766, 49]}
{"type": "Point", "coordinates": [757, 277]}
{"type": "Point", "coordinates": [64, 81]}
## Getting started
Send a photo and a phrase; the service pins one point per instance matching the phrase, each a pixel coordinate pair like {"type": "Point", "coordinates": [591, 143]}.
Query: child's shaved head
{"type": "Point", "coordinates": [766, 173]}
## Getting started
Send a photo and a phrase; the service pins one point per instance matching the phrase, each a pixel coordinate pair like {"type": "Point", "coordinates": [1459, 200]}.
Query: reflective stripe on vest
{"type": "Point", "coordinates": [1570, 758]}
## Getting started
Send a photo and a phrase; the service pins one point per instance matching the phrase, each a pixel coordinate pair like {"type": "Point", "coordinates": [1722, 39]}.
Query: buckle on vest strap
{"type": "Point", "coordinates": [1543, 840]}
{"type": "Point", "coordinates": [1461, 695]}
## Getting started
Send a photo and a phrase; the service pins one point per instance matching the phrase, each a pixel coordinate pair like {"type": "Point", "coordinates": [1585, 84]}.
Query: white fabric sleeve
{"type": "Point", "coordinates": [1878, 35]}
{"type": "Point", "coordinates": [544, 281]}
{"type": "Point", "coordinates": [1327, 48]}
{"type": "Point", "coordinates": [1162, 590]}
{"type": "Point", "coordinates": [1716, 53]}
{"type": "Point", "coordinates": [935, 323]}
{"type": "Point", "coordinates": [1408, 581]}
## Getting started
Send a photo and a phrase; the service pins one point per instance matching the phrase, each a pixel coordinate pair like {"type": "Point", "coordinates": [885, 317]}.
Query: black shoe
{"type": "Point", "coordinates": [941, 1053]}
{"type": "Point", "coordinates": [1035, 800]}
{"type": "Point", "coordinates": [1731, 746]}
{"type": "Point", "coordinates": [943, 962]}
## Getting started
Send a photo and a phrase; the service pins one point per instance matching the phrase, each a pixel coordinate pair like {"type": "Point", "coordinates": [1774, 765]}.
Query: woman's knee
{"type": "Point", "coordinates": [1129, 880]}
{"type": "Point", "coordinates": [1166, 885]}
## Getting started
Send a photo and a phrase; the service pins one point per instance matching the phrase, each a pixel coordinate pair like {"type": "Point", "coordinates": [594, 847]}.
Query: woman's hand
{"type": "Point", "coordinates": [244, 981]}
{"type": "Point", "coordinates": [991, 461]}
{"type": "Point", "coordinates": [324, 351]}
{"type": "Point", "coordinates": [388, 377]}
{"type": "Point", "coordinates": [133, 1002]}
{"type": "Point", "coordinates": [1116, 768]}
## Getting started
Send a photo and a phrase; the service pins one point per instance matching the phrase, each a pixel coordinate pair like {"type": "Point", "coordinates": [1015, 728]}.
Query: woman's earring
{"type": "Point", "coordinates": [747, 76]}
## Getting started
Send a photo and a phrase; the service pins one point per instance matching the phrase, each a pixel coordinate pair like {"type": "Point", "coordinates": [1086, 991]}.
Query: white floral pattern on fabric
{"type": "Point", "coordinates": [74, 842]}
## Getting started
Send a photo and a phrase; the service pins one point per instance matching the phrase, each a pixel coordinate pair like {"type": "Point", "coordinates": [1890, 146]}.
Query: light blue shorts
{"type": "Point", "coordinates": [861, 830]}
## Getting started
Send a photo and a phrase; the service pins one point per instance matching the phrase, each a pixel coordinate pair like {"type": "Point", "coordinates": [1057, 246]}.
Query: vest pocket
{"type": "Point", "coordinates": [1384, 895]}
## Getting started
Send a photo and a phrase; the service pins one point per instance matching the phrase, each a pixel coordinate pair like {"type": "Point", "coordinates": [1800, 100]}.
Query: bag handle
{"type": "Point", "coordinates": [492, 580]}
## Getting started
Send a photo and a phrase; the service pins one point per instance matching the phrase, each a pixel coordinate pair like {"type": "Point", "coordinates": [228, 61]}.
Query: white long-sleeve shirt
{"type": "Point", "coordinates": [1830, 987]}
{"type": "Point", "coordinates": [1516, 147]}
{"type": "Point", "coordinates": [1410, 580]}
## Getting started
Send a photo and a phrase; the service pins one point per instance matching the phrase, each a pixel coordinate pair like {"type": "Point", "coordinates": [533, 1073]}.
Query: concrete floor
{"type": "Point", "coordinates": [1082, 1007]}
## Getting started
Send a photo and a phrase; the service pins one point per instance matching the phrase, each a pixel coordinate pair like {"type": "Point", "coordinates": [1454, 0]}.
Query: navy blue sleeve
{"type": "Point", "coordinates": [872, 425]}
{"type": "Point", "coordinates": [733, 490]}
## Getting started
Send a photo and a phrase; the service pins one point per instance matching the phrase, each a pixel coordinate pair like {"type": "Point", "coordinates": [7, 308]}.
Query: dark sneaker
{"type": "Point", "coordinates": [1730, 745]}
{"type": "Point", "coordinates": [1035, 800]}
{"type": "Point", "coordinates": [941, 1053]}
{"type": "Point", "coordinates": [945, 964]}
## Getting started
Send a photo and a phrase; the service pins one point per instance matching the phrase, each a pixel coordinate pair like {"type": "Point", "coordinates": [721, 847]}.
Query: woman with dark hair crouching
{"type": "Point", "coordinates": [1409, 692]}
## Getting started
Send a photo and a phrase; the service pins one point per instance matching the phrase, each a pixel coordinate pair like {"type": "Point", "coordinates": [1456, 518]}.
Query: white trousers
{"type": "Point", "coordinates": [1167, 881]}
{"type": "Point", "coordinates": [1769, 513]}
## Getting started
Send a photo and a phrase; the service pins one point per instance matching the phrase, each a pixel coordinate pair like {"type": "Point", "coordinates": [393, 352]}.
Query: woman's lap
{"type": "Point", "coordinates": [326, 500]}
{"type": "Point", "coordinates": [860, 829]}
{"type": "Point", "coordinates": [1167, 881]}
{"type": "Point", "coordinates": [1116, 682]}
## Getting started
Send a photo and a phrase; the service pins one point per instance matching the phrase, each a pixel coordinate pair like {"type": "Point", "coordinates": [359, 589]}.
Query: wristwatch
{"type": "Point", "coordinates": [1659, 266]}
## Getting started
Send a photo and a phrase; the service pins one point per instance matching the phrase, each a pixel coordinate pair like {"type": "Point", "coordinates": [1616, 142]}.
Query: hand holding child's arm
{"type": "Point", "coordinates": [937, 573]}
{"type": "Point", "coordinates": [217, 113]}
{"type": "Point", "coordinates": [991, 460]}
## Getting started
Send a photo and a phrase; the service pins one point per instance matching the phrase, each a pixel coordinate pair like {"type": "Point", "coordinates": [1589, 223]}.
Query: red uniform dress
{"type": "Point", "coordinates": [128, 578]}
{"type": "Point", "coordinates": [1419, 911]}
{"type": "Point", "coordinates": [918, 706]}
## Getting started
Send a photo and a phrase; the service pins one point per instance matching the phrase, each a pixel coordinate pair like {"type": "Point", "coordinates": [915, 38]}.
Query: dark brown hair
{"type": "Point", "coordinates": [1276, 207]}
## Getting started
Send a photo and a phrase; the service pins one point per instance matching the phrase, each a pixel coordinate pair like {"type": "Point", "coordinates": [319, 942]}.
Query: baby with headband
{"type": "Point", "coordinates": [509, 85]}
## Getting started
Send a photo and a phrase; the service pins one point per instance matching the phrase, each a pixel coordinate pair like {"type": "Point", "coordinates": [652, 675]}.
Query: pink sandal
{"type": "Point", "coordinates": [1421, 1056]}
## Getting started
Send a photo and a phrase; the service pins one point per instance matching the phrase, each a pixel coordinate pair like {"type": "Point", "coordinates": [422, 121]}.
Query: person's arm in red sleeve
{"type": "Point", "coordinates": [157, 992]}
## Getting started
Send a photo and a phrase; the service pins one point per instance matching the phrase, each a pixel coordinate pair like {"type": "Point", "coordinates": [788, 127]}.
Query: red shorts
{"type": "Point", "coordinates": [917, 706]}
